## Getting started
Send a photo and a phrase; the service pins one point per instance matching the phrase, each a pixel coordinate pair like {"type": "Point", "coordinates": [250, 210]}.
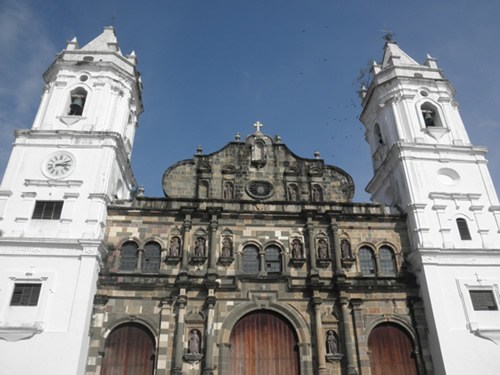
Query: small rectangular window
{"type": "Point", "coordinates": [48, 210]}
{"type": "Point", "coordinates": [483, 300]}
{"type": "Point", "coordinates": [25, 294]}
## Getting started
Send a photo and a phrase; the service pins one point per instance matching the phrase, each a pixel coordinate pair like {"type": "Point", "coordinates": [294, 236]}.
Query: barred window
{"type": "Point", "coordinates": [25, 294]}
{"type": "Point", "coordinates": [483, 300]}
{"type": "Point", "coordinates": [273, 259]}
{"type": "Point", "coordinates": [366, 261]}
{"type": "Point", "coordinates": [128, 256]}
{"type": "Point", "coordinates": [251, 259]}
{"type": "Point", "coordinates": [463, 229]}
{"type": "Point", "coordinates": [47, 210]}
{"type": "Point", "coordinates": [151, 260]}
{"type": "Point", "coordinates": [387, 261]}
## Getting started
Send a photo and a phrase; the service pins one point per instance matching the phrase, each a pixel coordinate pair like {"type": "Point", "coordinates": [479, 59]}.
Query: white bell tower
{"type": "Point", "coordinates": [426, 167]}
{"type": "Point", "coordinates": [61, 176]}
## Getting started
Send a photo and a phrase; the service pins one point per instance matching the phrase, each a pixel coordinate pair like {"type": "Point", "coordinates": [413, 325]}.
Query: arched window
{"type": "Point", "coordinates": [78, 97]}
{"type": "Point", "coordinates": [273, 259]}
{"type": "Point", "coordinates": [128, 256]}
{"type": "Point", "coordinates": [129, 349]}
{"type": "Point", "coordinates": [430, 115]}
{"type": "Point", "coordinates": [151, 259]}
{"type": "Point", "coordinates": [463, 229]}
{"type": "Point", "coordinates": [250, 259]}
{"type": "Point", "coordinates": [366, 261]}
{"type": "Point", "coordinates": [387, 261]}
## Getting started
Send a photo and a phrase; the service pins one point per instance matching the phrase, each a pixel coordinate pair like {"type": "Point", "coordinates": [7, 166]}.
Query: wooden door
{"type": "Point", "coordinates": [129, 350]}
{"type": "Point", "coordinates": [391, 351]}
{"type": "Point", "coordinates": [263, 344]}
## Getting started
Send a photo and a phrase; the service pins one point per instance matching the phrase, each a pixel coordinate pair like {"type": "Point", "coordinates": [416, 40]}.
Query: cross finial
{"type": "Point", "coordinates": [257, 126]}
{"type": "Point", "coordinates": [388, 34]}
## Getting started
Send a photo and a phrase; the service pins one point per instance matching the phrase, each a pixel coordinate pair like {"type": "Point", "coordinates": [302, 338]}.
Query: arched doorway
{"type": "Point", "coordinates": [262, 343]}
{"type": "Point", "coordinates": [391, 351]}
{"type": "Point", "coordinates": [129, 350]}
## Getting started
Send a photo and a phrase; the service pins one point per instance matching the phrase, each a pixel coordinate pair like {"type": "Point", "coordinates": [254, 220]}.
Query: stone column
{"type": "Point", "coordinates": [359, 330]}
{"type": "Point", "coordinates": [334, 228]}
{"type": "Point", "coordinates": [348, 339]}
{"type": "Point", "coordinates": [212, 246]}
{"type": "Point", "coordinates": [164, 349]}
{"type": "Point", "coordinates": [311, 245]}
{"type": "Point", "coordinates": [140, 255]}
{"type": "Point", "coordinates": [378, 270]}
{"type": "Point", "coordinates": [209, 334]}
{"type": "Point", "coordinates": [186, 228]}
{"type": "Point", "coordinates": [179, 333]}
{"type": "Point", "coordinates": [320, 337]}
{"type": "Point", "coordinates": [416, 308]}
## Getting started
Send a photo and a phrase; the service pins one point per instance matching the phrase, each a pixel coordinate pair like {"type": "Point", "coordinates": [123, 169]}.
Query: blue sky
{"type": "Point", "coordinates": [211, 68]}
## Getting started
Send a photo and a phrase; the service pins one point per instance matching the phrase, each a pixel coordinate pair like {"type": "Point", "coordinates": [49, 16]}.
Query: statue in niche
{"type": "Point", "coordinates": [316, 194]}
{"type": "Point", "coordinates": [331, 343]}
{"type": "Point", "coordinates": [292, 192]}
{"type": "Point", "coordinates": [322, 249]}
{"type": "Point", "coordinates": [345, 249]}
{"type": "Point", "coordinates": [194, 342]}
{"type": "Point", "coordinates": [227, 247]}
{"type": "Point", "coordinates": [228, 190]}
{"type": "Point", "coordinates": [199, 247]}
{"type": "Point", "coordinates": [175, 246]}
{"type": "Point", "coordinates": [297, 249]}
{"type": "Point", "coordinates": [258, 151]}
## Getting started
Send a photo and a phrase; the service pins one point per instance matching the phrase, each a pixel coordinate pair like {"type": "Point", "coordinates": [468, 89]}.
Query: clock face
{"type": "Point", "coordinates": [59, 165]}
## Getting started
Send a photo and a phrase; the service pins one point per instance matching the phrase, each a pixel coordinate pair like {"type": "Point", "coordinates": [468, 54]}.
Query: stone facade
{"type": "Point", "coordinates": [316, 284]}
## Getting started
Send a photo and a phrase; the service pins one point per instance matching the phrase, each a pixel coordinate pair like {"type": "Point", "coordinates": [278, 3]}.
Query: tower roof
{"type": "Point", "coordinates": [395, 56]}
{"type": "Point", "coordinates": [106, 41]}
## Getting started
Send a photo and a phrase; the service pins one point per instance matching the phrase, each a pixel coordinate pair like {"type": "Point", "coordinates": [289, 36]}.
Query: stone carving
{"type": "Point", "coordinates": [175, 246]}
{"type": "Point", "coordinates": [227, 247]}
{"type": "Point", "coordinates": [292, 192]}
{"type": "Point", "coordinates": [322, 249]}
{"type": "Point", "coordinates": [194, 342]}
{"type": "Point", "coordinates": [228, 190]}
{"type": "Point", "coordinates": [331, 343]}
{"type": "Point", "coordinates": [199, 247]}
{"type": "Point", "coordinates": [297, 249]}
{"type": "Point", "coordinates": [317, 194]}
{"type": "Point", "coordinates": [345, 249]}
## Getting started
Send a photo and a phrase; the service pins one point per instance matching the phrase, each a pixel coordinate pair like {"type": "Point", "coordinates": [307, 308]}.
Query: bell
{"type": "Point", "coordinates": [76, 106]}
{"type": "Point", "coordinates": [429, 118]}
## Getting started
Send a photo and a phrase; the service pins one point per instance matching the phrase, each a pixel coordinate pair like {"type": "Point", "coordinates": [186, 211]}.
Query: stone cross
{"type": "Point", "coordinates": [258, 125]}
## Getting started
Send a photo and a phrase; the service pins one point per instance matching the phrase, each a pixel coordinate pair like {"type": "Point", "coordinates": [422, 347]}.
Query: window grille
{"type": "Point", "coordinates": [387, 261]}
{"type": "Point", "coordinates": [483, 300]}
{"type": "Point", "coordinates": [128, 256]}
{"type": "Point", "coordinates": [25, 294]}
{"type": "Point", "coordinates": [273, 259]}
{"type": "Point", "coordinates": [151, 261]}
{"type": "Point", "coordinates": [47, 210]}
{"type": "Point", "coordinates": [251, 260]}
{"type": "Point", "coordinates": [367, 262]}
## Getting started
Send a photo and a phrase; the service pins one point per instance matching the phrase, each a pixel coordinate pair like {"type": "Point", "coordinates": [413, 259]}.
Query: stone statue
{"type": "Point", "coordinates": [322, 249]}
{"type": "Point", "coordinates": [296, 249]}
{"type": "Point", "coordinates": [175, 245]}
{"type": "Point", "coordinates": [316, 194]}
{"type": "Point", "coordinates": [227, 247]}
{"type": "Point", "coordinates": [292, 192]}
{"type": "Point", "coordinates": [345, 249]}
{"type": "Point", "coordinates": [331, 343]}
{"type": "Point", "coordinates": [194, 342]}
{"type": "Point", "coordinates": [228, 190]}
{"type": "Point", "coordinates": [199, 247]}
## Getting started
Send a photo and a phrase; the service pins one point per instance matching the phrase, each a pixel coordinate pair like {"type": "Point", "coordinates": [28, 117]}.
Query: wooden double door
{"type": "Point", "coordinates": [262, 343]}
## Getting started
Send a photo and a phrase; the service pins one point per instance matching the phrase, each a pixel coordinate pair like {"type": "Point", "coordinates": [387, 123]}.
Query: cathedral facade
{"type": "Point", "coordinates": [256, 260]}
